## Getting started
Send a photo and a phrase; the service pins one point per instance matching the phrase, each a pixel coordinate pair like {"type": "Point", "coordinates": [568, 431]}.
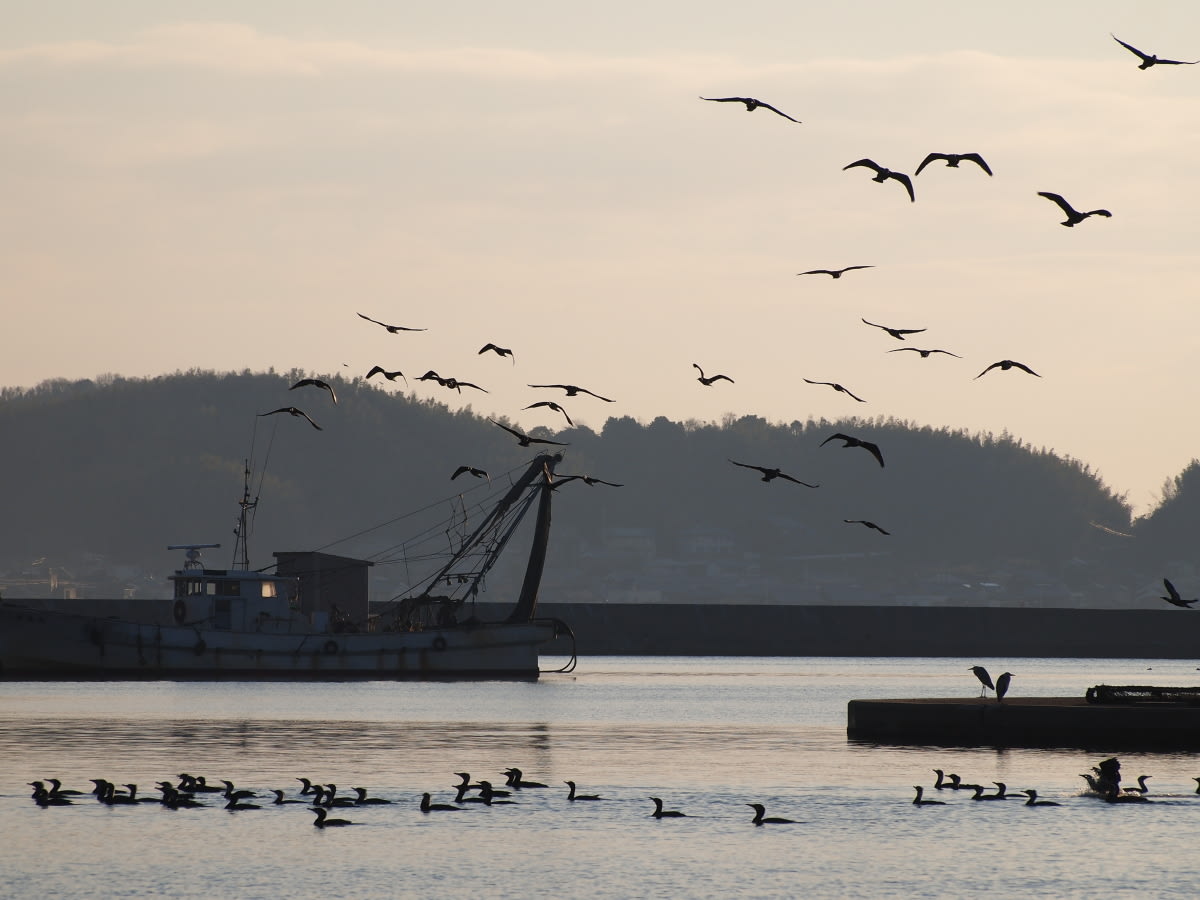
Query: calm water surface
{"type": "Point", "coordinates": [708, 735]}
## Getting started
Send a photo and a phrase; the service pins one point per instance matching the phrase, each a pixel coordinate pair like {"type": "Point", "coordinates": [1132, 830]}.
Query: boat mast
{"type": "Point", "coordinates": [241, 544]}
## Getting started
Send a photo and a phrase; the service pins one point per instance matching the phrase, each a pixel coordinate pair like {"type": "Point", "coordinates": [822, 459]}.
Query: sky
{"type": "Point", "coordinates": [223, 186]}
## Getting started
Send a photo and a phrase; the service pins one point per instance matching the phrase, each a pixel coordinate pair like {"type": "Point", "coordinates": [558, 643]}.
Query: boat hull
{"type": "Point", "coordinates": [36, 643]}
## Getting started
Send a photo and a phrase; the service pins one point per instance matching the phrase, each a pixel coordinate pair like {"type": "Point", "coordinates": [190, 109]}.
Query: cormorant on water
{"type": "Point", "coordinates": [1141, 788]}
{"type": "Point", "coordinates": [279, 801]}
{"type": "Point", "coordinates": [516, 779]}
{"type": "Point", "coordinates": [1001, 792]}
{"type": "Point", "coordinates": [572, 796]}
{"type": "Point", "coordinates": [363, 800]}
{"type": "Point", "coordinates": [660, 813]}
{"type": "Point", "coordinates": [323, 822]}
{"type": "Point", "coordinates": [758, 819]}
{"type": "Point", "coordinates": [1034, 801]}
{"type": "Point", "coordinates": [984, 679]}
{"type": "Point", "coordinates": [919, 801]}
{"type": "Point", "coordinates": [427, 806]}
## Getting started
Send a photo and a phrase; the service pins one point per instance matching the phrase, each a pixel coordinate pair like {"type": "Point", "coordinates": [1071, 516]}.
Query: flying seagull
{"type": "Point", "coordinates": [924, 353]}
{"type": "Point", "coordinates": [850, 441]}
{"type": "Point", "coordinates": [523, 439]}
{"type": "Point", "coordinates": [836, 387]}
{"type": "Point", "coordinates": [572, 390]}
{"type": "Point", "coordinates": [550, 404]}
{"type": "Point", "coordinates": [295, 412]}
{"type": "Point", "coordinates": [1151, 60]}
{"type": "Point", "coordinates": [865, 522]}
{"type": "Point", "coordinates": [833, 273]}
{"type": "Point", "coordinates": [953, 159]}
{"type": "Point", "coordinates": [315, 382]}
{"type": "Point", "coordinates": [1005, 365]}
{"type": "Point", "coordinates": [708, 380]}
{"type": "Point", "coordinates": [1074, 216]}
{"type": "Point", "coordinates": [882, 175]}
{"type": "Point", "coordinates": [897, 333]}
{"type": "Point", "coordinates": [1173, 596]}
{"type": "Point", "coordinates": [392, 329]}
{"type": "Point", "coordinates": [770, 474]}
{"type": "Point", "coordinates": [390, 376]}
{"type": "Point", "coordinates": [452, 383]}
{"type": "Point", "coordinates": [499, 351]}
{"type": "Point", "coordinates": [560, 480]}
{"type": "Point", "coordinates": [751, 105]}
{"type": "Point", "coordinates": [478, 473]}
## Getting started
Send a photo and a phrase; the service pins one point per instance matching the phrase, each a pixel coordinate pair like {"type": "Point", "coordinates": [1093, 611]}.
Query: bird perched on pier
{"type": "Point", "coordinates": [751, 105]}
{"type": "Point", "coordinates": [953, 159]}
{"type": "Point", "coordinates": [837, 387]}
{"type": "Point", "coordinates": [1002, 682]}
{"type": "Point", "coordinates": [523, 439]}
{"type": "Point", "coordinates": [550, 404]}
{"type": "Point", "coordinates": [1174, 598]}
{"type": "Point", "coordinates": [850, 441]}
{"type": "Point", "coordinates": [771, 474]}
{"type": "Point", "coordinates": [881, 175]}
{"type": "Point", "coordinates": [897, 333]}
{"type": "Point", "coordinates": [1149, 59]}
{"type": "Point", "coordinates": [866, 523]}
{"type": "Point", "coordinates": [291, 410]}
{"type": "Point", "coordinates": [1074, 216]}
{"type": "Point", "coordinates": [1004, 365]}
{"type": "Point", "coordinates": [833, 273]}
{"type": "Point", "coordinates": [499, 351]}
{"type": "Point", "coordinates": [572, 390]}
{"type": "Point", "coordinates": [392, 329]}
{"type": "Point", "coordinates": [707, 380]}
{"type": "Point", "coordinates": [315, 382]}
{"type": "Point", "coordinates": [759, 819]}
{"type": "Point", "coordinates": [984, 679]}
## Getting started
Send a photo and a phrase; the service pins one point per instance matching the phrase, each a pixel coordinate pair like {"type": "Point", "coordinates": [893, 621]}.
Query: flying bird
{"type": "Point", "coordinates": [1005, 365]}
{"type": "Point", "coordinates": [1074, 216]}
{"type": "Point", "coordinates": [850, 441]}
{"type": "Point", "coordinates": [572, 390]}
{"type": "Point", "coordinates": [524, 439]}
{"type": "Point", "coordinates": [751, 105]}
{"type": "Point", "coordinates": [550, 404]}
{"type": "Point", "coordinates": [708, 380]}
{"type": "Point", "coordinates": [560, 480]}
{"type": "Point", "coordinates": [1175, 599]}
{"type": "Point", "coordinates": [315, 382]}
{"type": "Point", "coordinates": [390, 376]}
{"type": "Point", "coordinates": [295, 412]}
{"type": "Point", "coordinates": [953, 159]}
{"type": "Point", "coordinates": [499, 351]}
{"type": "Point", "coordinates": [984, 678]}
{"type": "Point", "coordinates": [478, 473]}
{"type": "Point", "coordinates": [392, 329]}
{"type": "Point", "coordinates": [836, 387]}
{"type": "Point", "coordinates": [924, 353]}
{"type": "Point", "coordinates": [882, 175]}
{"type": "Point", "coordinates": [833, 273]}
{"type": "Point", "coordinates": [770, 474]}
{"type": "Point", "coordinates": [897, 333]}
{"type": "Point", "coordinates": [865, 522]}
{"type": "Point", "coordinates": [452, 383]}
{"type": "Point", "coordinates": [1149, 60]}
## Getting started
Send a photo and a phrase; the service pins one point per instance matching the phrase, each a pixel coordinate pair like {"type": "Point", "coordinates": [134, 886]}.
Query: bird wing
{"type": "Point", "coordinates": [723, 378]}
{"type": "Point", "coordinates": [930, 158]}
{"type": "Point", "coordinates": [730, 99]}
{"type": "Point", "coordinates": [302, 414]}
{"type": "Point", "coordinates": [978, 160]}
{"type": "Point", "coordinates": [1134, 50]}
{"type": "Point", "coordinates": [797, 480]}
{"type": "Point", "coordinates": [534, 440]}
{"type": "Point", "coordinates": [748, 466]}
{"type": "Point", "coordinates": [486, 347]}
{"type": "Point", "coordinates": [873, 325]}
{"type": "Point", "coordinates": [376, 370]}
{"type": "Point", "coordinates": [902, 349]}
{"type": "Point", "coordinates": [852, 268]}
{"type": "Point", "coordinates": [1171, 62]}
{"type": "Point", "coordinates": [463, 384]}
{"type": "Point", "coordinates": [369, 319]}
{"type": "Point", "coordinates": [511, 431]}
{"type": "Point", "coordinates": [810, 381]}
{"type": "Point", "coordinates": [838, 436]}
{"type": "Point", "coordinates": [868, 163]}
{"type": "Point", "coordinates": [855, 396]}
{"type": "Point", "coordinates": [597, 396]}
{"type": "Point", "coordinates": [947, 352]}
{"type": "Point", "coordinates": [1171, 589]}
{"type": "Point", "coordinates": [776, 111]}
{"type": "Point", "coordinates": [907, 182]}
{"type": "Point", "coordinates": [908, 330]}
{"type": "Point", "coordinates": [459, 471]}
{"type": "Point", "coordinates": [873, 449]}
{"type": "Point", "coordinates": [1062, 203]}
{"type": "Point", "coordinates": [1024, 368]}
{"type": "Point", "coordinates": [817, 272]}
{"type": "Point", "coordinates": [1100, 212]}
{"type": "Point", "coordinates": [985, 371]}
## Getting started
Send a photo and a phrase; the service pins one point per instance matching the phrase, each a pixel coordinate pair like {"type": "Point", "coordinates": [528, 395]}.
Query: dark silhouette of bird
{"type": "Point", "coordinates": [315, 382]}
{"type": "Point", "coordinates": [833, 273]}
{"type": "Point", "coordinates": [1074, 216]}
{"type": "Point", "coordinates": [1000, 794]}
{"type": "Point", "coordinates": [953, 159]}
{"type": "Point", "coordinates": [390, 376]}
{"type": "Point", "coordinates": [1141, 786]}
{"type": "Point", "coordinates": [837, 387]}
{"type": "Point", "coordinates": [1174, 598]}
{"type": "Point", "coordinates": [1002, 682]}
{"type": "Point", "coordinates": [363, 800]}
{"type": "Point", "coordinates": [708, 380]}
{"type": "Point", "coordinates": [1033, 799]}
{"type": "Point", "coordinates": [919, 800]}
{"type": "Point", "coordinates": [572, 796]}
{"type": "Point", "coordinates": [392, 329]}
{"type": "Point", "coordinates": [323, 821]}
{"type": "Point", "coordinates": [452, 383]}
{"type": "Point", "coordinates": [550, 404]}
{"type": "Point", "coordinates": [771, 474]}
{"type": "Point", "coordinates": [1004, 365]}
{"type": "Point", "coordinates": [560, 480]}
{"type": "Point", "coordinates": [925, 354]}
{"type": "Point", "coordinates": [850, 441]}
{"type": "Point", "coordinates": [523, 439]}
{"type": "Point", "coordinates": [428, 806]}
{"type": "Point", "coordinates": [279, 799]}
{"type": "Point", "coordinates": [897, 333]}
{"type": "Point", "coordinates": [478, 473]}
{"type": "Point", "coordinates": [751, 105]}
{"type": "Point", "coordinates": [759, 819]}
{"type": "Point", "coordinates": [572, 390]}
{"type": "Point", "coordinates": [1148, 60]}
{"type": "Point", "coordinates": [984, 679]}
{"type": "Point", "coordinates": [499, 351]}
{"type": "Point", "coordinates": [291, 410]}
{"type": "Point", "coordinates": [516, 778]}
{"type": "Point", "coordinates": [660, 813]}
{"type": "Point", "coordinates": [882, 175]}
{"type": "Point", "coordinates": [865, 522]}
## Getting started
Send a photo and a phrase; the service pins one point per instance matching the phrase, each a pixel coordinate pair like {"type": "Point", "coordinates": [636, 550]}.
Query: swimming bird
{"type": "Point", "coordinates": [235, 802]}
{"type": "Point", "coordinates": [897, 333]}
{"type": "Point", "coordinates": [516, 779]}
{"type": "Point", "coordinates": [1034, 801]}
{"type": "Point", "coordinates": [363, 800]}
{"type": "Point", "coordinates": [1074, 216]}
{"type": "Point", "coordinates": [315, 382]}
{"type": "Point", "coordinates": [770, 474]}
{"type": "Point", "coordinates": [837, 387]}
{"type": "Point", "coordinates": [390, 376]}
{"type": "Point", "coordinates": [924, 353]}
{"type": "Point", "coordinates": [919, 800]}
{"type": "Point", "coordinates": [708, 380]}
{"type": "Point", "coordinates": [940, 784]}
{"type": "Point", "coordinates": [427, 806]}
{"type": "Point", "coordinates": [758, 819]}
{"type": "Point", "coordinates": [466, 783]}
{"type": "Point", "coordinates": [984, 679]}
{"type": "Point", "coordinates": [523, 439]}
{"type": "Point", "coordinates": [322, 820]}
{"type": "Point", "coordinates": [279, 799]}
{"type": "Point", "coordinates": [1141, 788]}
{"type": "Point", "coordinates": [478, 473]}
{"type": "Point", "coordinates": [572, 796]}
{"type": "Point", "coordinates": [291, 410]}
{"type": "Point", "coordinates": [499, 351]}
{"type": "Point", "coordinates": [1001, 792]}
{"type": "Point", "coordinates": [572, 390]}
{"type": "Point", "coordinates": [488, 793]}
{"type": "Point", "coordinates": [57, 790]}
{"type": "Point", "coordinates": [751, 105]}
{"type": "Point", "coordinates": [953, 159]}
{"type": "Point", "coordinates": [833, 273]}
{"type": "Point", "coordinates": [1006, 364]}
{"type": "Point", "coordinates": [957, 784]}
{"type": "Point", "coordinates": [850, 441]}
{"type": "Point", "coordinates": [1148, 60]}
{"type": "Point", "coordinates": [865, 522]}
{"type": "Point", "coordinates": [1115, 796]}
{"type": "Point", "coordinates": [881, 175]}
{"type": "Point", "coordinates": [1174, 598]}
{"type": "Point", "coordinates": [660, 813]}
{"type": "Point", "coordinates": [560, 480]}
{"type": "Point", "coordinates": [1002, 682]}
{"type": "Point", "coordinates": [550, 404]}
{"type": "Point", "coordinates": [392, 329]}
{"type": "Point", "coordinates": [307, 786]}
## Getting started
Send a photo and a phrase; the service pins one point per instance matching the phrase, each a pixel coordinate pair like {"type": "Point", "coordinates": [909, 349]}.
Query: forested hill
{"type": "Point", "coordinates": [122, 467]}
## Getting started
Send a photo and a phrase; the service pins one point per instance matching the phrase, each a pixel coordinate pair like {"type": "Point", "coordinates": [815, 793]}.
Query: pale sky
{"type": "Point", "coordinates": [224, 185]}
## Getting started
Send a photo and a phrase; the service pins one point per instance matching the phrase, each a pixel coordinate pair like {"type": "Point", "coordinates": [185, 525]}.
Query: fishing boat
{"type": "Point", "coordinates": [310, 619]}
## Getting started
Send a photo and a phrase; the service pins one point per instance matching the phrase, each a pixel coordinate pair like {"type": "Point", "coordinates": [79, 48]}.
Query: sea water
{"type": "Point", "coordinates": [707, 735]}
